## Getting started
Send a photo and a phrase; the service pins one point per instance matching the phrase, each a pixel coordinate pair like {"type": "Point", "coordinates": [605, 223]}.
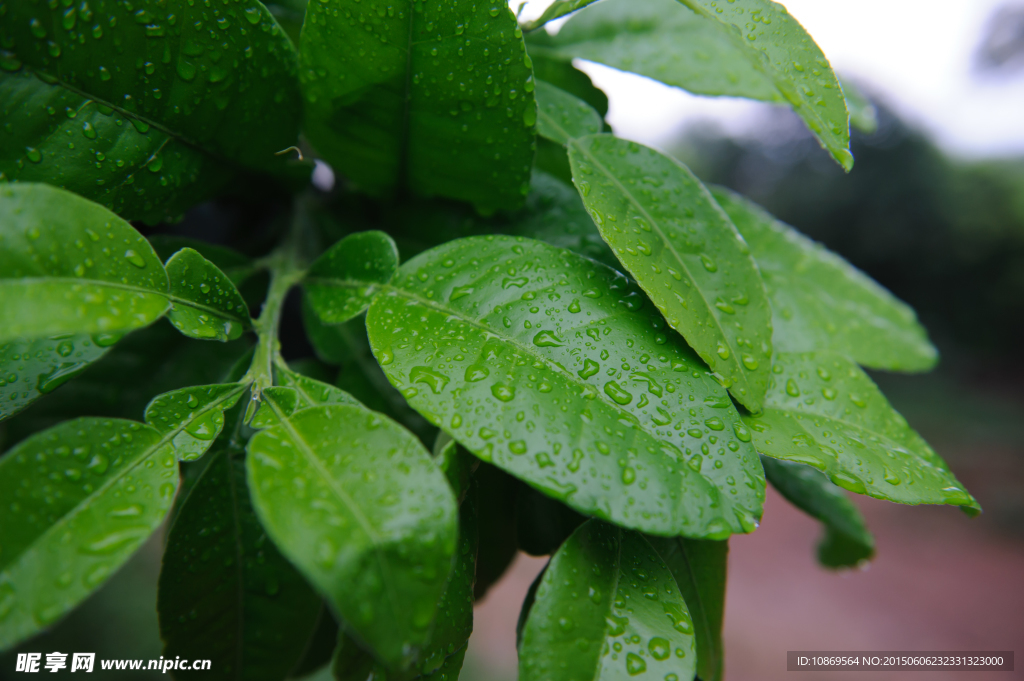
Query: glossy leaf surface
{"type": "Point", "coordinates": [162, 99]}
{"type": "Point", "coordinates": [30, 369]}
{"type": "Point", "coordinates": [79, 499]}
{"type": "Point", "coordinates": [683, 250]}
{"type": "Point", "coordinates": [663, 40]}
{"type": "Point", "coordinates": [225, 593]}
{"type": "Point", "coordinates": [847, 541]}
{"type": "Point", "coordinates": [554, 368]}
{"type": "Point", "coordinates": [236, 266]}
{"type": "Point", "coordinates": [68, 265]}
{"type": "Point", "coordinates": [193, 417]}
{"type": "Point", "coordinates": [435, 98]}
{"type": "Point", "coordinates": [206, 303]}
{"type": "Point", "coordinates": [784, 52]}
{"type": "Point", "coordinates": [562, 117]}
{"type": "Point", "coordinates": [821, 302]}
{"type": "Point", "coordinates": [824, 411]}
{"type": "Point", "coordinates": [314, 393]}
{"type": "Point", "coordinates": [364, 514]}
{"type": "Point", "coordinates": [343, 281]}
{"type": "Point", "coordinates": [607, 608]}
{"type": "Point", "coordinates": [699, 568]}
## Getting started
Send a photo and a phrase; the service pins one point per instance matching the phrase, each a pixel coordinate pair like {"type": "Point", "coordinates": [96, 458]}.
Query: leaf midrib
{"type": "Point", "coordinates": [173, 299]}
{"type": "Point", "coordinates": [364, 523]}
{"type": "Point", "coordinates": [165, 439]}
{"type": "Point", "coordinates": [656, 226]}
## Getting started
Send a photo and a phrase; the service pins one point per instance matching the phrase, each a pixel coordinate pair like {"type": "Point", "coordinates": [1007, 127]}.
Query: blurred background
{"type": "Point", "coordinates": [933, 210]}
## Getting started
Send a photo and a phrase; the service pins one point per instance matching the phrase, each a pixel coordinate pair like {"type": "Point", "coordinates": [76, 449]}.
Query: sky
{"type": "Point", "coordinates": [916, 55]}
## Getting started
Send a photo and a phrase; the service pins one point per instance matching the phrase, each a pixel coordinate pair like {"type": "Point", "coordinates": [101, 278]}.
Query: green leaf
{"type": "Point", "coordinates": [665, 41]}
{"type": "Point", "coordinates": [824, 411]}
{"type": "Point", "coordinates": [193, 417]}
{"type": "Point", "coordinates": [147, 363]}
{"type": "Point", "coordinates": [79, 499]}
{"type": "Point", "coordinates": [847, 541]}
{"type": "Point", "coordinates": [68, 265]}
{"type": "Point", "coordinates": [236, 266]}
{"type": "Point", "coordinates": [608, 608]}
{"type": "Point", "coordinates": [669, 233]}
{"type": "Point", "coordinates": [554, 213]}
{"type": "Point", "coordinates": [400, 118]}
{"type": "Point", "coordinates": [783, 51]}
{"type": "Point", "coordinates": [563, 75]}
{"type": "Point", "coordinates": [456, 462]}
{"type": "Point", "coordinates": [167, 103]}
{"type": "Point", "coordinates": [821, 302]}
{"type": "Point", "coordinates": [557, 9]}
{"type": "Point", "coordinates": [206, 303]}
{"type": "Point", "coordinates": [313, 393]}
{"type": "Point", "coordinates": [699, 568]}
{"type": "Point", "coordinates": [554, 368]}
{"type": "Point", "coordinates": [562, 117]}
{"type": "Point", "coordinates": [343, 281]}
{"type": "Point", "coordinates": [364, 514]}
{"type": "Point", "coordinates": [30, 369]}
{"type": "Point", "coordinates": [225, 593]}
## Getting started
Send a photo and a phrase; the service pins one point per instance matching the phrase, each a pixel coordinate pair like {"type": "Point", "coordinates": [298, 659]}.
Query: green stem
{"type": "Point", "coordinates": [287, 268]}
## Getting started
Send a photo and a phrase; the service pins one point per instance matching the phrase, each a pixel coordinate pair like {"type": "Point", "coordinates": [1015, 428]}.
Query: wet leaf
{"type": "Point", "coordinates": [669, 233]}
{"type": "Point", "coordinates": [34, 368]}
{"type": "Point", "coordinates": [607, 608]}
{"type": "Point", "coordinates": [206, 305]}
{"type": "Point", "coordinates": [193, 417]}
{"type": "Point", "coordinates": [663, 40]}
{"type": "Point", "coordinates": [821, 302]}
{"type": "Point", "coordinates": [68, 265]}
{"type": "Point", "coordinates": [313, 393]}
{"type": "Point", "coordinates": [780, 48]}
{"type": "Point", "coordinates": [824, 411]}
{"type": "Point", "coordinates": [554, 368]}
{"type": "Point", "coordinates": [436, 99]}
{"type": "Point", "coordinates": [699, 568]}
{"type": "Point", "coordinates": [79, 499]}
{"type": "Point", "coordinates": [863, 114]}
{"type": "Point", "coordinates": [225, 593]}
{"type": "Point", "coordinates": [847, 541]}
{"type": "Point", "coordinates": [458, 464]}
{"type": "Point", "coordinates": [355, 502]}
{"type": "Point", "coordinates": [236, 266]}
{"type": "Point", "coordinates": [146, 112]}
{"type": "Point", "coordinates": [562, 117]}
{"type": "Point", "coordinates": [343, 281]}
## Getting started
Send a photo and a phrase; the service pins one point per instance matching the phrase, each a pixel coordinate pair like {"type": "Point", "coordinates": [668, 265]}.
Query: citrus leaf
{"type": "Point", "coordinates": [562, 117]}
{"type": "Point", "coordinates": [557, 9]}
{"type": "Point", "coordinates": [669, 233]}
{"type": "Point", "coordinates": [79, 499]}
{"type": "Point", "coordinates": [68, 265]}
{"type": "Point", "coordinates": [554, 368]}
{"type": "Point", "coordinates": [343, 281]}
{"type": "Point", "coordinates": [225, 593]}
{"type": "Point", "coordinates": [314, 393]}
{"type": "Point", "coordinates": [207, 305]}
{"type": "Point", "coordinates": [699, 568]}
{"type": "Point", "coordinates": [822, 410]}
{"type": "Point", "coordinates": [166, 103]}
{"type": "Point", "coordinates": [665, 41]}
{"type": "Point", "coordinates": [563, 75]}
{"type": "Point", "coordinates": [783, 51]}
{"type": "Point", "coordinates": [456, 462]}
{"type": "Point", "coordinates": [607, 608]}
{"type": "Point", "coordinates": [30, 369]}
{"type": "Point", "coordinates": [364, 514]}
{"type": "Point", "coordinates": [236, 266]}
{"type": "Point", "coordinates": [193, 417]}
{"type": "Point", "coordinates": [821, 302]}
{"type": "Point", "coordinates": [847, 541]}
{"type": "Point", "coordinates": [401, 118]}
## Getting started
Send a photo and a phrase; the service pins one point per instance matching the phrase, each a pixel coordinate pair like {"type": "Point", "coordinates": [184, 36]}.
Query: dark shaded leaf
{"type": "Point", "coordinates": [343, 281]}
{"type": "Point", "coordinates": [206, 303]}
